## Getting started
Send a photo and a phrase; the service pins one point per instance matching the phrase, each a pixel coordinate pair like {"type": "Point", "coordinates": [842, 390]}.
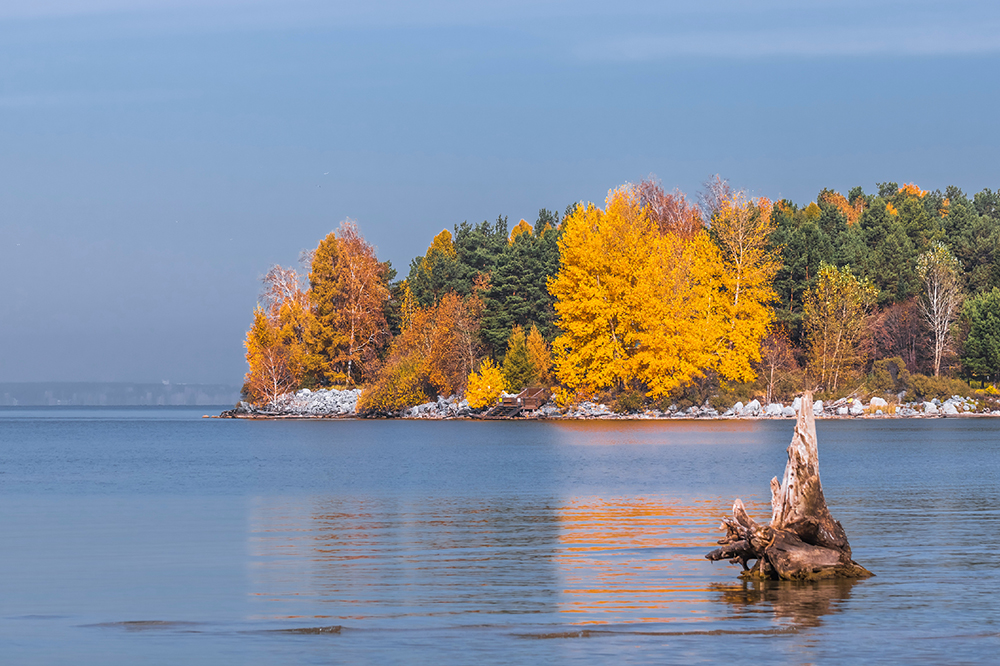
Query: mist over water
{"type": "Point", "coordinates": [155, 536]}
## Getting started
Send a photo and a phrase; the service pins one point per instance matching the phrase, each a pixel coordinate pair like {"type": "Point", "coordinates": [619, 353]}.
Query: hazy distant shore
{"type": "Point", "coordinates": [115, 394]}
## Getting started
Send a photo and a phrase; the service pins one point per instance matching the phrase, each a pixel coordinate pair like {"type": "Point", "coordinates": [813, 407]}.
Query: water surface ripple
{"type": "Point", "coordinates": [154, 536]}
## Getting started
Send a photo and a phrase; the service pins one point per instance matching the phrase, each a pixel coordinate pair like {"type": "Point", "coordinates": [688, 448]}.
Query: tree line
{"type": "Point", "coordinates": [649, 299]}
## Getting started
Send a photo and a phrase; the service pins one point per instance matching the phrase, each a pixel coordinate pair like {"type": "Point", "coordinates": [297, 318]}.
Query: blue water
{"type": "Point", "coordinates": [155, 536]}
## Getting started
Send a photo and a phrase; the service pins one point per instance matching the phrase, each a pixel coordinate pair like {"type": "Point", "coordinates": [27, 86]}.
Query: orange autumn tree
{"type": "Point", "coordinates": [365, 294]}
{"type": "Point", "coordinates": [434, 354]}
{"type": "Point", "coordinates": [634, 301]}
{"type": "Point", "coordinates": [742, 228]}
{"type": "Point", "coordinates": [348, 293]}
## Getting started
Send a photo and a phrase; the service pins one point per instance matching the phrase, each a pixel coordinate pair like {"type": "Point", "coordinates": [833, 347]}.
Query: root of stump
{"type": "Point", "coordinates": [803, 541]}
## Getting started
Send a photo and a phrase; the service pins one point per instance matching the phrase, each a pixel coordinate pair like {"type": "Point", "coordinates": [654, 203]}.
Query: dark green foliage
{"type": "Point", "coordinates": [916, 220]}
{"type": "Point", "coordinates": [429, 286]}
{"type": "Point", "coordinates": [887, 190]}
{"type": "Point", "coordinates": [518, 294]}
{"type": "Point", "coordinates": [883, 252]}
{"type": "Point", "coordinates": [477, 248]}
{"type": "Point", "coordinates": [988, 203]}
{"type": "Point", "coordinates": [974, 239]}
{"type": "Point", "coordinates": [981, 353]}
{"type": "Point", "coordinates": [855, 194]}
{"type": "Point", "coordinates": [804, 246]}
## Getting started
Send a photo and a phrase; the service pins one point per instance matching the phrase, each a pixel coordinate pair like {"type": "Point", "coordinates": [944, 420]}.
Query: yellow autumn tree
{"type": "Point", "coordinates": [286, 307]}
{"type": "Point", "coordinates": [269, 376]}
{"type": "Point", "coordinates": [441, 247]}
{"type": "Point", "coordinates": [681, 338]}
{"type": "Point", "coordinates": [603, 253]}
{"type": "Point", "coordinates": [540, 356]}
{"type": "Point", "coordinates": [635, 303]}
{"type": "Point", "coordinates": [836, 315]}
{"type": "Point", "coordinates": [486, 385]}
{"type": "Point", "coordinates": [742, 229]}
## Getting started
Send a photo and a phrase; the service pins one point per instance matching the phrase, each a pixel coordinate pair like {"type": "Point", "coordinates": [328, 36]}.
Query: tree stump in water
{"type": "Point", "coordinates": [803, 541]}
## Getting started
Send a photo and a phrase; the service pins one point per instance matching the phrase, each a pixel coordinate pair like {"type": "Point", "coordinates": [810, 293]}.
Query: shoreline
{"type": "Point", "coordinates": [601, 417]}
{"type": "Point", "coordinates": [340, 404]}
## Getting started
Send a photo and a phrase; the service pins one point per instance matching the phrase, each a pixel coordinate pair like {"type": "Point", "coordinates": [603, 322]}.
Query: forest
{"type": "Point", "coordinates": [652, 299]}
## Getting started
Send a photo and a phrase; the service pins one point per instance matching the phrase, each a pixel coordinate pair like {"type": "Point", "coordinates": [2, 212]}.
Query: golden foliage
{"type": "Point", "coordinates": [286, 307]}
{"type": "Point", "coordinates": [269, 376]}
{"type": "Point", "coordinates": [434, 354]}
{"type": "Point", "coordinates": [633, 303]}
{"type": "Point", "coordinates": [540, 356]}
{"type": "Point", "coordinates": [348, 292]}
{"type": "Point", "coordinates": [911, 190]}
{"type": "Point", "coordinates": [521, 227]}
{"type": "Point", "coordinates": [399, 385]}
{"type": "Point", "coordinates": [408, 305]}
{"type": "Point", "coordinates": [835, 319]}
{"type": "Point", "coordinates": [486, 385]}
{"type": "Point", "coordinates": [742, 229]}
{"type": "Point", "coordinates": [441, 247]}
{"type": "Point", "coordinates": [889, 208]}
{"type": "Point", "coordinates": [852, 213]}
{"type": "Point", "coordinates": [365, 294]}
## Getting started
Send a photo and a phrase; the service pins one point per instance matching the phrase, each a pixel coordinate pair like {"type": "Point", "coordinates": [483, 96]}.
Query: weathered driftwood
{"type": "Point", "coordinates": [803, 541]}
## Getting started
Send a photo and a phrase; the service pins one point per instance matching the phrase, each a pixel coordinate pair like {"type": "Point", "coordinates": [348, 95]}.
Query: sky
{"type": "Point", "coordinates": [158, 156]}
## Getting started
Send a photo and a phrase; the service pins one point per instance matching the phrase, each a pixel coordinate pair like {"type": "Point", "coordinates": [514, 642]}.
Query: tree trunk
{"type": "Point", "coordinates": [803, 541]}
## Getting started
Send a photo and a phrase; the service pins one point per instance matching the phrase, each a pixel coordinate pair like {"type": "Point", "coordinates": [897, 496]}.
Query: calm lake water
{"type": "Point", "coordinates": [154, 536]}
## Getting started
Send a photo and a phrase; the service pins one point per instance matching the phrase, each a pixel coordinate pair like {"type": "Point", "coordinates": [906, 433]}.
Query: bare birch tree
{"type": "Point", "coordinates": [717, 191]}
{"type": "Point", "coordinates": [671, 212]}
{"type": "Point", "coordinates": [942, 297]}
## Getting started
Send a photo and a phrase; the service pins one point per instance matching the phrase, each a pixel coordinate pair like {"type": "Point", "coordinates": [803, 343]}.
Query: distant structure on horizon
{"type": "Point", "coordinates": [33, 394]}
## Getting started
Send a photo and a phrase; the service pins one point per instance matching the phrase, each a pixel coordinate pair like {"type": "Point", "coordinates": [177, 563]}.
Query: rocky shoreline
{"type": "Point", "coordinates": [332, 403]}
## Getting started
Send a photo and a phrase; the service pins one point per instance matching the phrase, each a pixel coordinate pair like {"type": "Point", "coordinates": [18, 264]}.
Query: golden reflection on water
{"type": "Point", "coordinates": [585, 560]}
{"type": "Point", "coordinates": [639, 557]}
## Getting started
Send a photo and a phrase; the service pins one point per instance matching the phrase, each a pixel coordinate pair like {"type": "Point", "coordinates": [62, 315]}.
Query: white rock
{"type": "Point", "coordinates": [877, 402]}
{"type": "Point", "coordinates": [753, 407]}
{"type": "Point", "coordinates": [796, 404]}
{"type": "Point", "coordinates": [842, 411]}
{"type": "Point", "coordinates": [818, 407]}
{"type": "Point", "coordinates": [857, 409]}
{"type": "Point", "coordinates": [930, 408]}
{"type": "Point", "coordinates": [738, 408]}
{"type": "Point", "coordinates": [949, 408]}
{"type": "Point", "coordinates": [788, 411]}
{"type": "Point", "coordinates": [773, 409]}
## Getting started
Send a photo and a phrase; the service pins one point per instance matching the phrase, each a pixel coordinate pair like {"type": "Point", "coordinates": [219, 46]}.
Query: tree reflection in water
{"type": "Point", "coordinates": [804, 604]}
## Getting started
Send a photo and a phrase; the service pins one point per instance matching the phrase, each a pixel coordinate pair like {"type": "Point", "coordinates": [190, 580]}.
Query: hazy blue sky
{"type": "Point", "coordinates": [157, 156]}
